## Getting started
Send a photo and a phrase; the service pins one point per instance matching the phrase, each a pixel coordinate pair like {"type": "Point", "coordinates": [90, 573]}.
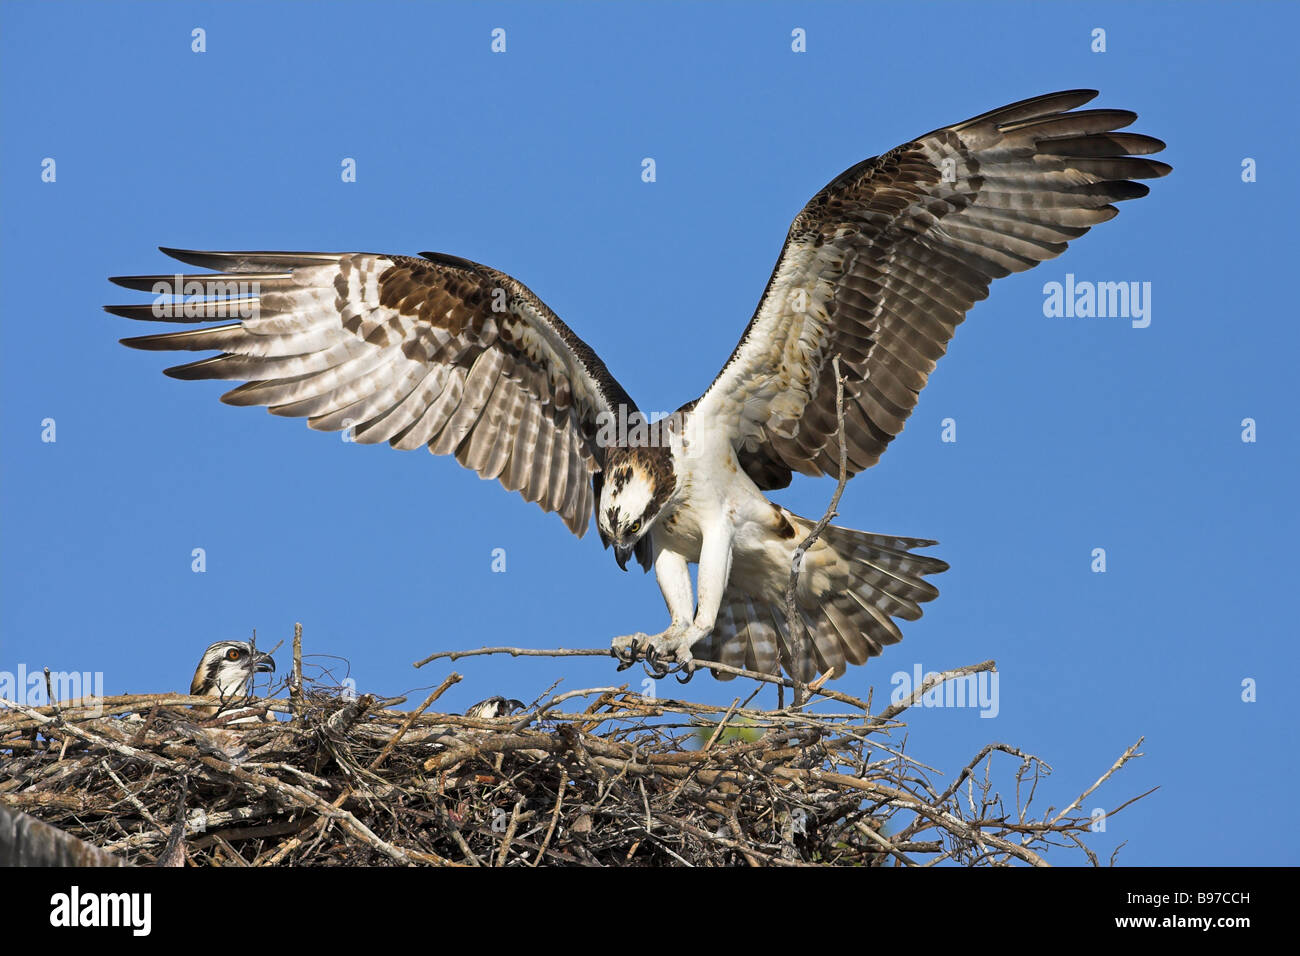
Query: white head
{"type": "Point", "coordinates": [634, 487]}
{"type": "Point", "coordinates": [226, 670]}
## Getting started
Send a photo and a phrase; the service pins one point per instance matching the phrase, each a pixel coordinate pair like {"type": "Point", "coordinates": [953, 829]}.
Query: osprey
{"type": "Point", "coordinates": [226, 672]}
{"type": "Point", "coordinates": [494, 707]}
{"type": "Point", "coordinates": [877, 271]}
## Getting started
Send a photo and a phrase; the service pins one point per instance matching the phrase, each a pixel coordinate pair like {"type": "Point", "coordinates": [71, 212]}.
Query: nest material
{"type": "Point", "coordinates": [598, 777]}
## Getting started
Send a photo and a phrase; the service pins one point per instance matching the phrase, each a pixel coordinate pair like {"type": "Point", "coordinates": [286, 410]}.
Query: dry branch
{"type": "Point", "coordinates": [794, 626]}
{"type": "Point", "coordinates": [598, 776]}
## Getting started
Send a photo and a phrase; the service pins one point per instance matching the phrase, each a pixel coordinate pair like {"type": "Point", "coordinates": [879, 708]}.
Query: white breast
{"type": "Point", "coordinates": [713, 491]}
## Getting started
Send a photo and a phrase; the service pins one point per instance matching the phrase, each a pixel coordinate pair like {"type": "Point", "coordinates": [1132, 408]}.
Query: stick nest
{"type": "Point", "coordinates": [593, 777]}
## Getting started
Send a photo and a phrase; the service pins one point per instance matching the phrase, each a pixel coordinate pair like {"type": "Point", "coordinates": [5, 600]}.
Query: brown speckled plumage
{"type": "Point", "coordinates": [893, 252]}
{"type": "Point", "coordinates": [877, 271]}
{"type": "Point", "coordinates": [437, 351]}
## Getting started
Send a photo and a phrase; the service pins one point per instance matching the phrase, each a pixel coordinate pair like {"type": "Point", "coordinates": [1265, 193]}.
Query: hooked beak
{"type": "Point", "coordinates": [621, 554]}
{"type": "Point", "coordinates": [262, 664]}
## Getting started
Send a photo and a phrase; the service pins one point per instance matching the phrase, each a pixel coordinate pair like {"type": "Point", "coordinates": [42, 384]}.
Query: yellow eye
{"type": "Point", "coordinates": [635, 526]}
{"type": "Point", "coordinates": [232, 654]}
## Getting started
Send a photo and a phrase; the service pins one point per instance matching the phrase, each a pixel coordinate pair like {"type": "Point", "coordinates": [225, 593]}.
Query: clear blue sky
{"type": "Point", "coordinates": [1073, 434]}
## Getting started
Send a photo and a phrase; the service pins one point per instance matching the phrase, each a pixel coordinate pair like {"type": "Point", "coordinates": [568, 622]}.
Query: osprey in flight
{"type": "Point", "coordinates": [877, 271]}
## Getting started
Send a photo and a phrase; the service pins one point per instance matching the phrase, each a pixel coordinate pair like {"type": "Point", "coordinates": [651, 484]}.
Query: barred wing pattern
{"type": "Point", "coordinates": [434, 351]}
{"type": "Point", "coordinates": [881, 266]}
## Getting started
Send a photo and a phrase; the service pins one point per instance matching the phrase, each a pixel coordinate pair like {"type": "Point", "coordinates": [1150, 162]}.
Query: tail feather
{"type": "Point", "coordinates": [827, 643]}
{"type": "Point", "coordinates": [765, 636]}
{"type": "Point", "coordinates": [852, 633]}
{"type": "Point", "coordinates": [853, 584]}
{"type": "Point", "coordinates": [732, 653]}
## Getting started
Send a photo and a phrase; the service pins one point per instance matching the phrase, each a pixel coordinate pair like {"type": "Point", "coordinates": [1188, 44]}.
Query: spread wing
{"type": "Point", "coordinates": [437, 351]}
{"type": "Point", "coordinates": [882, 265]}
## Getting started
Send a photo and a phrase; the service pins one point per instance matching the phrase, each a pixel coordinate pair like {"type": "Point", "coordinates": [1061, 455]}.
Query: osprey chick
{"type": "Point", "coordinates": [226, 672]}
{"type": "Point", "coordinates": [877, 271]}
{"type": "Point", "coordinates": [494, 707]}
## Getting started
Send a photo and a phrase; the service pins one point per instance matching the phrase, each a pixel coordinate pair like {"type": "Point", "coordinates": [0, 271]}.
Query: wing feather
{"type": "Point", "coordinates": [436, 351]}
{"type": "Point", "coordinates": [882, 265]}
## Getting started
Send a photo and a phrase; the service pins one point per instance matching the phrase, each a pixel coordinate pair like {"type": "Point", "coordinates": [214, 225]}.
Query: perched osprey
{"type": "Point", "coordinates": [226, 672]}
{"type": "Point", "coordinates": [878, 270]}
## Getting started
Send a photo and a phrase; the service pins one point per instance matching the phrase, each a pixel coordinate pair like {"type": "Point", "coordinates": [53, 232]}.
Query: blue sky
{"type": "Point", "coordinates": [1072, 433]}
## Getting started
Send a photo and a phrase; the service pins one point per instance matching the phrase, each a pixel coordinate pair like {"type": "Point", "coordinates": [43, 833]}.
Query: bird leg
{"type": "Point", "coordinates": [673, 644]}
{"type": "Point", "coordinates": [667, 646]}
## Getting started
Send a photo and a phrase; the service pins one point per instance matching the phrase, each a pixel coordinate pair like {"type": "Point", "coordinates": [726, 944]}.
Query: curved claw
{"type": "Point", "coordinates": [653, 666]}
{"type": "Point", "coordinates": [657, 670]}
{"type": "Point", "coordinates": [629, 660]}
{"type": "Point", "coordinates": [690, 672]}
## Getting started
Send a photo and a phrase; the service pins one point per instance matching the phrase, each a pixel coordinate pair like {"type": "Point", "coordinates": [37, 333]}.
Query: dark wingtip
{"type": "Point", "coordinates": [446, 259]}
{"type": "Point", "coordinates": [1083, 94]}
{"type": "Point", "coordinates": [139, 312]}
{"type": "Point", "coordinates": [191, 257]}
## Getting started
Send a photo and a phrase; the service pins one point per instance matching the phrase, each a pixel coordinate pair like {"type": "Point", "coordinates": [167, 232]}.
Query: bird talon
{"type": "Point", "coordinates": [656, 669]}
{"type": "Point", "coordinates": [660, 665]}
{"type": "Point", "coordinates": [632, 648]}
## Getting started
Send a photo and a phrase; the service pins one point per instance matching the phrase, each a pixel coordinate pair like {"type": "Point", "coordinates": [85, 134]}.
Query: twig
{"type": "Point", "coordinates": [798, 650]}
{"type": "Point", "coordinates": [515, 652]}
{"type": "Point", "coordinates": [1124, 758]}
{"type": "Point", "coordinates": [295, 681]}
{"type": "Point", "coordinates": [596, 652]}
{"type": "Point", "coordinates": [555, 817]}
{"type": "Point", "coordinates": [452, 678]}
{"type": "Point", "coordinates": [892, 711]}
